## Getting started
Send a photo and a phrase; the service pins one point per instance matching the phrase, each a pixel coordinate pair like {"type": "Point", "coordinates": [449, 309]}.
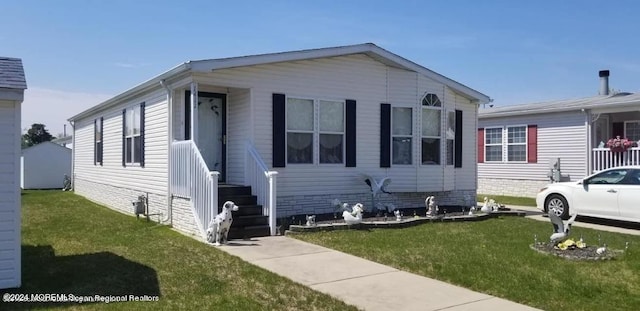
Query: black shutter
{"type": "Point", "coordinates": [279, 130]}
{"type": "Point", "coordinates": [124, 134]}
{"type": "Point", "coordinates": [142, 105]}
{"type": "Point", "coordinates": [187, 115]}
{"type": "Point", "coordinates": [95, 146]}
{"type": "Point", "coordinates": [101, 151]}
{"type": "Point", "coordinates": [350, 133]}
{"type": "Point", "coordinates": [458, 140]}
{"type": "Point", "coordinates": [385, 135]}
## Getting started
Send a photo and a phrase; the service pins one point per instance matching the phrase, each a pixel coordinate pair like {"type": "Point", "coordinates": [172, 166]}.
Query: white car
{"type": "Point", "coordinates": [613, 193]}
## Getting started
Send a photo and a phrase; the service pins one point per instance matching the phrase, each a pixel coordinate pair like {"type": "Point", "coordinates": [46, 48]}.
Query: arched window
{"type": "Point", "coordinates": [431, 120]}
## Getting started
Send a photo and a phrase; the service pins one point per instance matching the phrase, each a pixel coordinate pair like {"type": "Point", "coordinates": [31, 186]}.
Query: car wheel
{"type": "Point", "coordinates": [558, 205]}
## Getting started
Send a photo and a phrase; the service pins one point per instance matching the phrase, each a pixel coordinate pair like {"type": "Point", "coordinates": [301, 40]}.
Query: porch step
{"type": "Point", "coordinates": [248, 232]}
{"type": "Point", "coordinates": [232, 190]}
{"type": "Point", "coordinates": [248, 221]}
{"type": "Point", "coordinates": [241, 199]}
{"type": "Point", "coordinates": [248, 210]}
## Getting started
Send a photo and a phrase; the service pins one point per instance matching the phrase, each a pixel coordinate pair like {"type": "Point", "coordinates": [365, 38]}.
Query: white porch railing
{"type": "Point", "coordinates": [263, 184]}
{"type": "Point", "coordinates": [603, 158]}
{"type": "Point", "coordinates": [191, 179]}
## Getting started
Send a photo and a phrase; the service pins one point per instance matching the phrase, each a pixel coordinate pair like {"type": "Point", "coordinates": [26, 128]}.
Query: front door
{"type": "Point", "coordinates": [212, 130]}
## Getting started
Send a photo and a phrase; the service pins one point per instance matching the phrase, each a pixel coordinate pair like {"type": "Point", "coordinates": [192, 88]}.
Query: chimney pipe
{"type": "Point", "coordinates": [604, 82]}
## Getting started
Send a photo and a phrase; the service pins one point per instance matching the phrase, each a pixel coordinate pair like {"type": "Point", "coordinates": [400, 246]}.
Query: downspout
{"type": "Point", "coordinates": [73, 156]}
{"type": "Point", "coordinates": [587, 123]}
{"type": "Point", "coordinates": [169, 140]}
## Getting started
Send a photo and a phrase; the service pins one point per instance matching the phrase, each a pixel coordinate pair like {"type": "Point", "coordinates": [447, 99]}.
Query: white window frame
{"type": "Point", "coordinates": [505, 140]}
{"type": "Point", "coordinates": [626, 135]}
{"type": "Point", "coordinates": [316, 132]}
{"type": "Point", "coordinates": [441, 138]}
{"type": "Point", "coordinates": [410, 136]}
{"type": "Point", "coordinates": [98, 141]}
{"type": "Point", "coordinates": [504, 145]}
{"type": "Point", "coordinates": [131, 115]}
{"type": "Point", "coordinates": [501, 144]}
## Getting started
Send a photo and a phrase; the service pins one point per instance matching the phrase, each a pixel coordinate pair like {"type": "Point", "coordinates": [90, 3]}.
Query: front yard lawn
{"type": "Point", "coordinates": [73, 246]}
{"type": "Point", "coordinates": [493, 257]}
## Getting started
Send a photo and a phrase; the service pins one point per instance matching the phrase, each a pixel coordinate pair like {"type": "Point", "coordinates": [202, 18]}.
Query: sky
{"type": "Point", "coordinates": [78, 53]}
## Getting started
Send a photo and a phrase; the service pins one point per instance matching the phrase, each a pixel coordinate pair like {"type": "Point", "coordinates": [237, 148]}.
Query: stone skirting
{"type": "Point", "coordinates": [322, 204]}
{"type": "Point", "coordinates": [121, 199]}
{"type": "Point", "coordinates": [510, 187]}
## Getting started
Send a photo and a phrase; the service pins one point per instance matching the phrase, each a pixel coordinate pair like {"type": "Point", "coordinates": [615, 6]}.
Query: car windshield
{"type": "Point", "coordinates": [609, 177]}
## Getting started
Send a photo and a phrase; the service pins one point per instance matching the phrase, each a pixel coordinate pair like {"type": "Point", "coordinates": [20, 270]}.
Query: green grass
{"type": "Point", "coordinates": [507, 200]}
{"type": "Point", "coordinates": [73, 246]}
{"type": "Point", "coordinates": [493, 256]}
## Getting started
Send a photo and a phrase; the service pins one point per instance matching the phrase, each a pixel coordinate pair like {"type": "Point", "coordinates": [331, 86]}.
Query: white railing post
{"type": "Point", "coordinates": [604, 158]}
{"type": "Point", "coordinates": [272, 201]}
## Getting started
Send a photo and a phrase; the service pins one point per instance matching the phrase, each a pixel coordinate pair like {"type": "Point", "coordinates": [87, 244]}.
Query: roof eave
{"type": "Point", "coordinates": [153, 82]}
{"type": "Point", "coordinates": [365, 48]}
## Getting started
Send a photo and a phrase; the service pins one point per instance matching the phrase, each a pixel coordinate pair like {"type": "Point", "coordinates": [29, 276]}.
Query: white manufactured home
{"type": "Point", "coordinates": [44, 166]}
{"type": "Point", "coordinates": [12, 86]}
{"type": "Point", "coordinates": [280, 134]}
{"type": "Point", "coordinates": [521, 148]}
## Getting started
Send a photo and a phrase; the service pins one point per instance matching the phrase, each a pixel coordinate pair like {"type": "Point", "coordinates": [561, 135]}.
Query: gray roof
{"type": "Point", "coordinates": [12, 73]}
{"type": "Point", "coordinates": [594, 102]}
{"type": "Point", "coordinates": [209, 65]}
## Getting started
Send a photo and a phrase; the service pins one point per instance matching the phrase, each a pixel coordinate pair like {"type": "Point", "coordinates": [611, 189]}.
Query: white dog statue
{"type": "Point", "coordinates": [218, 229]}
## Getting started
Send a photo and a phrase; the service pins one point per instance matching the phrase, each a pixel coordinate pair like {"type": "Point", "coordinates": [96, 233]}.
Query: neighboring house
{"type": "Point", "coordinates": [12, 86]}
{"type": "Point", "coordinates": [65, 141]}
{"type": "Point", "coordinates": [518, 145]}
{"type": "Point", "coordinates": [299, 128]}
{"type": "Point", "coordinates": [43, 166]}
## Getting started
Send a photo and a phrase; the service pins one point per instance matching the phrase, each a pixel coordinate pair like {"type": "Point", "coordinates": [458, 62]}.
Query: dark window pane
{"type": "Point", "coordinates": [493, 153]}
{"type": "Point", "coordinates": [136, 149]}
{"type": "Point", "coordinates": [430, 151]}
{"type": "Point", "coordinates": [127, 150]}
{"type": "Point", "coordinates": [517, 153]}
{"type": "Point", "coordinates": [330, 148]}
{"type": "Point", "coordinates": [402, 150]}
{"type": "Point", "coordinates": [449, 151]}
{"type": "Point", "coordinates": [99, 151]}
{"type": "Point", "coordinates": [299, 148]}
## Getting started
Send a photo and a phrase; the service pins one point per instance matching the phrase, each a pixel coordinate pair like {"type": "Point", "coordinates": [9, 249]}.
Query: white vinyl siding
{"type": "Point", "coordinates": [238, 133]}
{"type": "Point", "coordinates": [554, 132]}
{"type": "Point", "coordinates": [10, 267]}
{"type": "Point", "coordinates": [369, 83]}
{"type": "Point", "coordinates": [150, 178]}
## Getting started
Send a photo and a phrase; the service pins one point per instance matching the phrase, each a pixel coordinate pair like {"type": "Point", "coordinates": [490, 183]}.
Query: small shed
{"type": "Point", "coordinates": [12, 86]}
{"type": "Point", "coordinates": [44, 165]}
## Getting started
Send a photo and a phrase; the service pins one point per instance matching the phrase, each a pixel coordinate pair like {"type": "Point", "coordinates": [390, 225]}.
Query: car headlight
{"type": "Point", "coordinates": [543, 189]}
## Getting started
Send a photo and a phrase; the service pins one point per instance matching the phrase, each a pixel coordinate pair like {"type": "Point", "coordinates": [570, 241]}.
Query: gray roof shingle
{"type": "Point", "coordinates": [594, 102]}
{"type": "Point", "coordinates": [12, 73]}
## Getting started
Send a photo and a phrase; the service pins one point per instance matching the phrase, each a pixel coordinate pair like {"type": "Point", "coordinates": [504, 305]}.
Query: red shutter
{"type": "Point", "coordinates": [532, 144]}
{"type": "Point", "coordinates": [480, 145]}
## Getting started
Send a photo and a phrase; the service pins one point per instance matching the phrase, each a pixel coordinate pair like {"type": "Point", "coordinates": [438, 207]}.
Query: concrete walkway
{"type": "Point", "coordinates": [360, 282]}
{"type": "Point", "coordinates": [534, 213]}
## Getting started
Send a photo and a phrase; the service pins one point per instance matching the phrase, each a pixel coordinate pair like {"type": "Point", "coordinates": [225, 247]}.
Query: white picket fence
{"type": "Point", "coordinates": [263, 184]}
{"type": "Point", "coordinates": [191, 179]}
{"type": "Point", "coordinates": [603, 158]}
